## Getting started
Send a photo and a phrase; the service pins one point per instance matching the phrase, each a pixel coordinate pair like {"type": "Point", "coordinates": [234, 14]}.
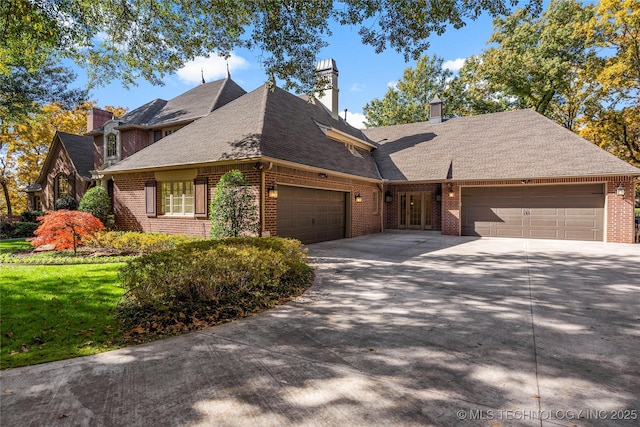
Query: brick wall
{"type": "Point", "coordinates": [134, 140]}
{"type": "Point", "coordinates": [619, 212]}
{"type": "Point", "coordinates": [130, 210]}
{"type": "Point", "coordinates": [362, 221]}
{"type": "Point", "coordinates": [61, 164]}
{"type": "Point", "coordinates": [620, 218]}
{"type": "Point", "coordinates": [129, 204]}
{"type": "Point", "coordinates": [392, 209]}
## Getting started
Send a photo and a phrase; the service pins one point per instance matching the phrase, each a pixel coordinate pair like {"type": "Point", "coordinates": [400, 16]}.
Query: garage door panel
{"type": "Point", "coordinates": [552, 212]}
{"type": "Point", "coordinates": [544, 222]}
{"type": "Point", "coordinates": [311, 215]}
{"type": "Point", "coordinates": [539, 233]}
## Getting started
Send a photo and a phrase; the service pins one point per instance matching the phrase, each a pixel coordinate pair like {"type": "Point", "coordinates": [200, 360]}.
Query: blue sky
{"type": "Point", "coordinates": [363, 74]}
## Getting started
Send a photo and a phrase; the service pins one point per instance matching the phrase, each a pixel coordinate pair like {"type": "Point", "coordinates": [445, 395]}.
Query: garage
{"type": "Point", "coordinates": [311, 215]}
{"type": "Point", "coordinates": [565, 212]}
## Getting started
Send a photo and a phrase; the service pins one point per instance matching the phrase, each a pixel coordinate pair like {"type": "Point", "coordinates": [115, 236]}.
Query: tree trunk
{"type": "Point", "coordinates": [5, 190]}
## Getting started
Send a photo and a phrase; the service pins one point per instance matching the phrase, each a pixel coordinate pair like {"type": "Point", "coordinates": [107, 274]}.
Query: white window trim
{"type": "Point", "coordinates": [172, 198]}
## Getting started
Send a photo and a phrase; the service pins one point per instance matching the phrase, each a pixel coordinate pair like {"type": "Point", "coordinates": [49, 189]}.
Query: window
{"type": "Point", "coordinates": [62, 187]}
{"type": "Point", "coordinates": [375, 202]}
{"type": "Point", "coordinates": [169, 132]}
{"type": "Point", "coordinates": [112, 146]}
{"type": "Point", "coordinates": [177, 198]}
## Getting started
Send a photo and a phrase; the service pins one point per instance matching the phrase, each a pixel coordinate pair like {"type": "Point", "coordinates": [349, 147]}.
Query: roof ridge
{"type": "Point", "coordinates": [217, 97]}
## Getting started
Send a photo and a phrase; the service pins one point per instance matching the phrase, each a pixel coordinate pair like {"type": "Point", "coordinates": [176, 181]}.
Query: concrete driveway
{"type": "Point", "coordinates": [399, 329]}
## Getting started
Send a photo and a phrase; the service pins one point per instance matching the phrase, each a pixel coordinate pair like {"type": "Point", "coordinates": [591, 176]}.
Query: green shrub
{"type": "Point", "coordinates": [233, 209]}
{"type": "Point", "coordinates": [132, 242]}
{"type": "Point", "coordinates": [15, 230]}
{"type": "Point", "coordinates": [96, 201]}
{"type": "Point", "coordinates": [66, 203]}
{"type": "Point", "coordinates": [31, 216]}
{"type": "Point", "coordinates": [217, 279]}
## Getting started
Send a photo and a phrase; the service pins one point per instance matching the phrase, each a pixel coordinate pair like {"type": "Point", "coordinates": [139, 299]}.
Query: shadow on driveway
{"type": "Point", "coordinates": [399, 329]}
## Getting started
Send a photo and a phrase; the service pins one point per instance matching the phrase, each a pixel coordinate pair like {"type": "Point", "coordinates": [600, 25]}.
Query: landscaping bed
{"type": "Point", "coordinates": [110, 298]}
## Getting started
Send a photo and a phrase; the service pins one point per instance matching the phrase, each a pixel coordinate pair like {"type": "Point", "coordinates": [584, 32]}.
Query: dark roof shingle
{"type": "Point", "coordinates": [262, 123]}
{"type": "Point", "coordinates": [515, 144]}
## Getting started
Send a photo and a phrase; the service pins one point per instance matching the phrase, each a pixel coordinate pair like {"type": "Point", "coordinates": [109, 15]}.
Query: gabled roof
{"type": "Point", "coordinates": [515, 144]}
{"type": "Point", "coordinates": [186, 107]}
{"type": "Point", "coordinates": [78, 148]}
{"type": "Point", "coordinates": [264, 123]}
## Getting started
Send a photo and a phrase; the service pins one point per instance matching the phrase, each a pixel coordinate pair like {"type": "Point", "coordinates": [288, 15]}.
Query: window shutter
{"type": "Point", "coordinates": [201, 198]}
{"type": "Point", "coordinates": [151, 198]}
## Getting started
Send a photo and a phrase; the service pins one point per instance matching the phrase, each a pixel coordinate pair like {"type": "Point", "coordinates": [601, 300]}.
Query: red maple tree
{"type": "Point", "coordinates": [65, 229]}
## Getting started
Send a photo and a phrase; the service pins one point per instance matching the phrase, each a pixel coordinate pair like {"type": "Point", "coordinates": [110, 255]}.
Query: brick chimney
{"type": "Point", "coordinates": [327, 68]}
{"type": "Point", "coordinates": [96, 118]}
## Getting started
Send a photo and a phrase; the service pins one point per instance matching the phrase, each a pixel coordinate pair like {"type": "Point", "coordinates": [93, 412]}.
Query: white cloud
{"type": "Point", "coordinates": [213, 68]}
{"type": "Point", "coordinates": [454, 65]}
{"type": "Point", "coordinates": [357, 87]}
{"type": "Point", "coordinates": [356, 120]}
{"type": "Point", "coordinates": [393, 84]}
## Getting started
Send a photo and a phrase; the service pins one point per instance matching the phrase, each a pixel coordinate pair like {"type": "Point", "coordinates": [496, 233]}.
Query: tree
{"type": "Point", "coordinates": [65, 229]}
{"type": "Point", "coordinates": [468, 95]}
{"type": "Point", "coordinates": [618, 23]}
{"type": "Point", "coordinates": [408, 101]}
{"type": "Point", "coordinates": [25, 144]}
{"type": "Point", "coordinates": [233, 210]}
{"type": "Point", "coordinates": [537, 59]}
{"type": "Point", "coordinates": [96, 201]}
{"type": "Point", "coordinates": [131, 39]}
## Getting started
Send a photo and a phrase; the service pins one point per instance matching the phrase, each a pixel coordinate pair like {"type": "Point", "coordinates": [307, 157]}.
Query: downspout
{"type": "Point", "coordinates": [263, 197]}
{"type": "Point", "coordinates": [383, 203]}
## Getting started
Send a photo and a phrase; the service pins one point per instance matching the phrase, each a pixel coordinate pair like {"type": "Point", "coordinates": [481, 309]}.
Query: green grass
{"type": "Point", "coordinates": [11, 246]}
{"type": "Point", "coordinates": [638, 212]}
{"type": "Point", "coordinates": [56, 312]}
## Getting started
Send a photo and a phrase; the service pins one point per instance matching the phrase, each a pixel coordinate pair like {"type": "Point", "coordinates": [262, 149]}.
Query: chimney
{"type": "Point", "coordinates": [327, 68]}
{"type": "Point", "coordinates": [435, 113]}
{"type": "Point", "coordinates": [96, 118]}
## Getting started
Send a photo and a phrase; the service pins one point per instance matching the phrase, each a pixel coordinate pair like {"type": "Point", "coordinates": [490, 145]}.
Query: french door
{"type": "Point", "coordinates": [414, 211]}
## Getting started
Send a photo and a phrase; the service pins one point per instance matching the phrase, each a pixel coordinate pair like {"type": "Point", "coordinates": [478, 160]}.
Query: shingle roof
{"type": "Point", "coordinates": [262, 123]}
{"type": "Point", "coordinates": [514, 144]}
{"type": "Point", "coordinates": [80, 150]}
{"type": "Point", "coordinates": [191, 105]}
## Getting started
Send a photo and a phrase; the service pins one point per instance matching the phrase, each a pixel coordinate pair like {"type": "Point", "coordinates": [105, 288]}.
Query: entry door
{"type": "Point", "coordinates": [414, 211]}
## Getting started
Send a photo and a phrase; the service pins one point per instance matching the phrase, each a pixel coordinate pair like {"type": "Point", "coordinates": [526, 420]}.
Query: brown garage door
{"type": "Point", "coordinates": [311, 215]}
{"type": "Point", "coordinates": [571, 212]}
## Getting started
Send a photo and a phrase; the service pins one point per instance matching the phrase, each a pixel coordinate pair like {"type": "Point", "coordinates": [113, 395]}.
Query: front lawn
{"type": "Point", "coordinates": [57, 312]}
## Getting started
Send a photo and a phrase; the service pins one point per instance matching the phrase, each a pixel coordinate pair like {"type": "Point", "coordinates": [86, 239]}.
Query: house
{"type": "Point", "coordinates": [510, 174]}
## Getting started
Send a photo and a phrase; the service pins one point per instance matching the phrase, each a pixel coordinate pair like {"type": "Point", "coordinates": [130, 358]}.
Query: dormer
{"type": "Point", "coordinates": [112, 143]}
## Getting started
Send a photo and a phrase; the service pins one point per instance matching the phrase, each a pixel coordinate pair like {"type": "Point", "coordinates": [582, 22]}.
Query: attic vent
{"type": "Point", "coordinates": [352, 149]}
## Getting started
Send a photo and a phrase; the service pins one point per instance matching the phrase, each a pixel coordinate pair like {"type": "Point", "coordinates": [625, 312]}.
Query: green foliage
{"type": "Point", "coordinates": [66, 203]}
{"type": "Point", "coordinates": [213, 279]}
{"type": "Point", "coordinates": [408, 101]}
{"type": "Point", "coordinates": [233, 210]}
{"type": "Point", "coordinates": [537, 58]}
{"type": "Point", "coordinates": [289, 35]}
{"type": "Point", "coordinates": [56, 312]}
{"type": "Point", "coordinates": [16, 230]}
{"type": "Point", "coordinates": [132, 242]}
{"type": "Point", "coordinates": [96, 201]}
{"type": "Point", "coordinates": [31, 216]}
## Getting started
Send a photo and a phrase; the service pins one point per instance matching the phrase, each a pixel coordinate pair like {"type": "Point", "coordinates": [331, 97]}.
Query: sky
{"type": "Point", "coordinates": [363, 74]}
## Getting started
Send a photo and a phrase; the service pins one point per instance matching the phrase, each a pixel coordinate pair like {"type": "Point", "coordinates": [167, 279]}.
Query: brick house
{"type": "Point", "coordinates": [511, 174]}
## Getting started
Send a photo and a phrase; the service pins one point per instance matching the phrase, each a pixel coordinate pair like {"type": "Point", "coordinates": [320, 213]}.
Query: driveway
{"type": "Point", "coordinates": [399, 329]}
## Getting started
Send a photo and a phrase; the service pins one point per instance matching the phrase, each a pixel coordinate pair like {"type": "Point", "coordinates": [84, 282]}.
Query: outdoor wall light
{"type": "Point", "coordinates": [450, 191]}
{"type": "Point", "coordinates": [358, 198]}
{"type": "Point", "coordinates": [388, 197]}
{"type": "Point", "coordinates": [272, 191]}
{"type": "Point", "coordinates": [620, 190]}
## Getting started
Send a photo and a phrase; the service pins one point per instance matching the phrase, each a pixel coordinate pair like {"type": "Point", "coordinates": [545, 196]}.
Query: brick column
{"type": "Point", "coordinates": [620, 213]}
{"type": "Point", "coordinates": [451, 211]}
